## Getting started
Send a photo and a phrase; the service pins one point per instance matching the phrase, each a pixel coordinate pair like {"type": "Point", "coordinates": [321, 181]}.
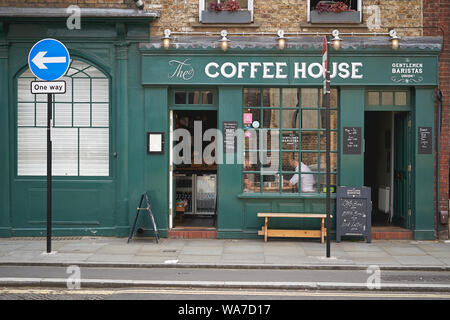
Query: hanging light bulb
{"type": "Point", "coordinates": [166, 39]}
{"type": "Point", "coordinates": [395, 40]}
{"type": "Point", "coordinates": [224, 41]}
{"type": "Point", "coordinates": [281, 40]}
{"type": "Point", "coordinates": [336, 40]}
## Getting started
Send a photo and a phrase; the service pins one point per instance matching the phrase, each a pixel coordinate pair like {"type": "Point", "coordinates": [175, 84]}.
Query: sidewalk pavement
{"type": "Point", "coordinates": [226, 253]}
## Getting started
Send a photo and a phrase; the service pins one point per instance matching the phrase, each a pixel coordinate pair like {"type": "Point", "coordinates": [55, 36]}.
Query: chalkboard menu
{"type": "Point", "coordinates": [353, 212]}
{"type": "Point", "coordinates": [352, 140]}
{"type": "Point", "coordinates": [425, 140]}
{"type": "Point", "coordinates": [229, 136]}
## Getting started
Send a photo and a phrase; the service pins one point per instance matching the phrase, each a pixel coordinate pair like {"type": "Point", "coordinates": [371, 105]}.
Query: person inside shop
{"type": "Point", "coordinates": [249, 178]}
{"type": "Point", "coordinates": [307, 179]}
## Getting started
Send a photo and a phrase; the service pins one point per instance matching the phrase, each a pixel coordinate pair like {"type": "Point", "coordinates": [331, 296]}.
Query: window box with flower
{"type": "Point", "coordinates": [345, 11]}
{"type": "Point", "coordinates": [226, 11]}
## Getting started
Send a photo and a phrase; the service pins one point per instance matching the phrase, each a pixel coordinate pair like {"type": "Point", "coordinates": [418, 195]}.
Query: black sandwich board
{"type": "Point", "coordinates": [353, 212]}
{"type": "Point", "coordinates": [152, 218]}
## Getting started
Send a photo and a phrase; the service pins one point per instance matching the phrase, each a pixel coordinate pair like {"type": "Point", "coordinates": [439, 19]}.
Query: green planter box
{"type": "Point", "coordinates": [335, 17]}
{"type": "Point", "coordinates": [242, 16]}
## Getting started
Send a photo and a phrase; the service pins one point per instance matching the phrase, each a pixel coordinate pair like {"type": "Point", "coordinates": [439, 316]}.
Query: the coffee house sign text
{"type": "Point", "coordinates": [279, 70]}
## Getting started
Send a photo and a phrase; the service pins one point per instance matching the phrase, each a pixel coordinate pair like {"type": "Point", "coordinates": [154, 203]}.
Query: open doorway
{"type": "Point", "coordinates": [194, 169]}
{"type": "Point", "coordinates": [386, 166]}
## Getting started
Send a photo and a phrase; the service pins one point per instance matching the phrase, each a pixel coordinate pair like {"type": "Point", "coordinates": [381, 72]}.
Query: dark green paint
{"type": "Point", "coordinates": [423, 168]}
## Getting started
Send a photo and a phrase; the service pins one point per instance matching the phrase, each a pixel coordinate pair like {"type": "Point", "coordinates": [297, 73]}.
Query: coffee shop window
{"type": "Point", "coordinates": [285, 140]}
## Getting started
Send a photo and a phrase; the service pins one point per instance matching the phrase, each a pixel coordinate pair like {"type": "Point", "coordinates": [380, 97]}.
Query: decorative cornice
{"type": "Point", "coordinates": [349, 44]}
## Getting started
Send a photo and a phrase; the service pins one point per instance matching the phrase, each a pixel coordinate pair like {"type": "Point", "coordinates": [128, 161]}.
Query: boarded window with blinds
{"type": "Point", "coordinates": [80, 131]}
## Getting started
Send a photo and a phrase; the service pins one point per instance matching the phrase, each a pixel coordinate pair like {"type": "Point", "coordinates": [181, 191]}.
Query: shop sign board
{"type": "Point", "coordinates": [288, 70]}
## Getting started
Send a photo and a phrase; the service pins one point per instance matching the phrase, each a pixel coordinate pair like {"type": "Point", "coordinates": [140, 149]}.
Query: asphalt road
{"type": "Point", "coordinates": [249, 275]}
{"type": "Point", "coordinates": [274, 280]}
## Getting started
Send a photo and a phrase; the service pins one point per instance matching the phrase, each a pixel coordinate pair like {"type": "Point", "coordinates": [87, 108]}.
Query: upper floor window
{"type": "Point", "coordinates": [225, 11]}
{"type": "Point", "coordinates": [80, 128]}
{"type": "Point", "coordinates": [344, 11]}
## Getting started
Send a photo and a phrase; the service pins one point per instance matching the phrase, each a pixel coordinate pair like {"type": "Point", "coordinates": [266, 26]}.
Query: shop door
{"type": "Point", "coordinates": [402, 169]}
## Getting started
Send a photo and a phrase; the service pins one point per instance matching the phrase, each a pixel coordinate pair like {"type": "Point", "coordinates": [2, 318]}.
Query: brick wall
{"type": "Point", "coordinates": [269, 16]}
{"type": "Point", "coordinates": [66, 3]}
{"type": "Point", "coordinates": [436, 20]}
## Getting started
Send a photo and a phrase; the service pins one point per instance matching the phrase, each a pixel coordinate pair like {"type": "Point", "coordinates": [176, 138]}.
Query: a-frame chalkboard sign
{"type": "Point", "coordinates": [353, 212]}
{"type": "Point", "coordinates": [152, 218]}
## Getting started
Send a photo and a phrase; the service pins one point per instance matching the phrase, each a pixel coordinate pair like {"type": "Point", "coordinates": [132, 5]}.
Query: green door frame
{"type": "Point", "coordinates": [402, 157]}
{"type": "Point", "coordinates": [172, 106]}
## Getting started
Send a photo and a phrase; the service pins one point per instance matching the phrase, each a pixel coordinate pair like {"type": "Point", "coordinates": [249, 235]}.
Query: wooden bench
{"type": "Point", "coordinates": [266, 232]}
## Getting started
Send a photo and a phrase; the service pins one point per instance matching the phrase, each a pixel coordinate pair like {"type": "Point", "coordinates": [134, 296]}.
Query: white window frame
{"type": "Point", "coordinates": [308, 11]}
{"type": "Point", "coordinates": [202, 7]}
{"type": "Point", "coordinates": [81, 149]}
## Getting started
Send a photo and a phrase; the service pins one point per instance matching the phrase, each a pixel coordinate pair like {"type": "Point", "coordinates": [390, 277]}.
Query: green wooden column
{"type": "Point", "coordinates": [121, 96]}
{"type": "Point", "coordinates": [156, 166]}
{"type": "Point", "coordinates": [5, 221]}
{"type": "Point", "coordinates": [351, 114]}
{"type": "Point", "coordinates": [229, 207]}
{"type": "Point", "coordinates": [423, 168]}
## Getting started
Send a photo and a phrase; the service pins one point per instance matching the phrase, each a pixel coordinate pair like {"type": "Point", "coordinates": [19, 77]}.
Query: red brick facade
{"type": "Point", "coordinates": [436, 21]}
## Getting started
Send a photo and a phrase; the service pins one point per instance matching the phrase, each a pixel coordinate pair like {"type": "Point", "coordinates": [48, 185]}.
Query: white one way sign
{"type": "Point", "coordinates": [48, 87]}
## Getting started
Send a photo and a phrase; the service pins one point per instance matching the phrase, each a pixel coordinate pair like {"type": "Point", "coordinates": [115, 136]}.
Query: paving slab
{"type": "Point", "coordinates": [243, 258]}
{"type": "Point", "coordinates": [192, 258]}
{"type": "Point", "coordinates": [418, 260]}
{"type": "Point", "coordinates": [81, 247]}
{"type": "Point", "coordinates": [111, 258]}
{"type": "Point", "coordinates": [115, 249]}
{"type": "Point", "coordinates": [404, 251]}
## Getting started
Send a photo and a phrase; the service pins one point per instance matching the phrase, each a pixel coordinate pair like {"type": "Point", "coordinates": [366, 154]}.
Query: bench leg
{"type": "Point", "coordinates": [266, 222]}
{"type": "Point", "coordinates": [322, 231]}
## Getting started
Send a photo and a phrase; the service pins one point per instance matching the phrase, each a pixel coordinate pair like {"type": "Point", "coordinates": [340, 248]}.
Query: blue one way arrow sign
{"type": "Point", "coordinates": [49, 59]}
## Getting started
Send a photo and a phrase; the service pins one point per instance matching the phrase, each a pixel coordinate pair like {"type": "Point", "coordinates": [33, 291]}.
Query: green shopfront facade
{"type": "Point", "coordinates": [263, 82]}
{"type": "Point", "coordinates": [133, 87]}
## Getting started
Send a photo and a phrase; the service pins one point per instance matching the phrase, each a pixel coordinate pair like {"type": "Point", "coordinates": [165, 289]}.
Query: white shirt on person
{"type": "Point", "coordinates": [307, 179]}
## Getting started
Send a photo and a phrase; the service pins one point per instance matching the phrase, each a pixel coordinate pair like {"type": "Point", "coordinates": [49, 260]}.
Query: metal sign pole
{"type": "Point", "coordinates": [326, 105]}
{"type": "Point", "coordinates": [49, 173]}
